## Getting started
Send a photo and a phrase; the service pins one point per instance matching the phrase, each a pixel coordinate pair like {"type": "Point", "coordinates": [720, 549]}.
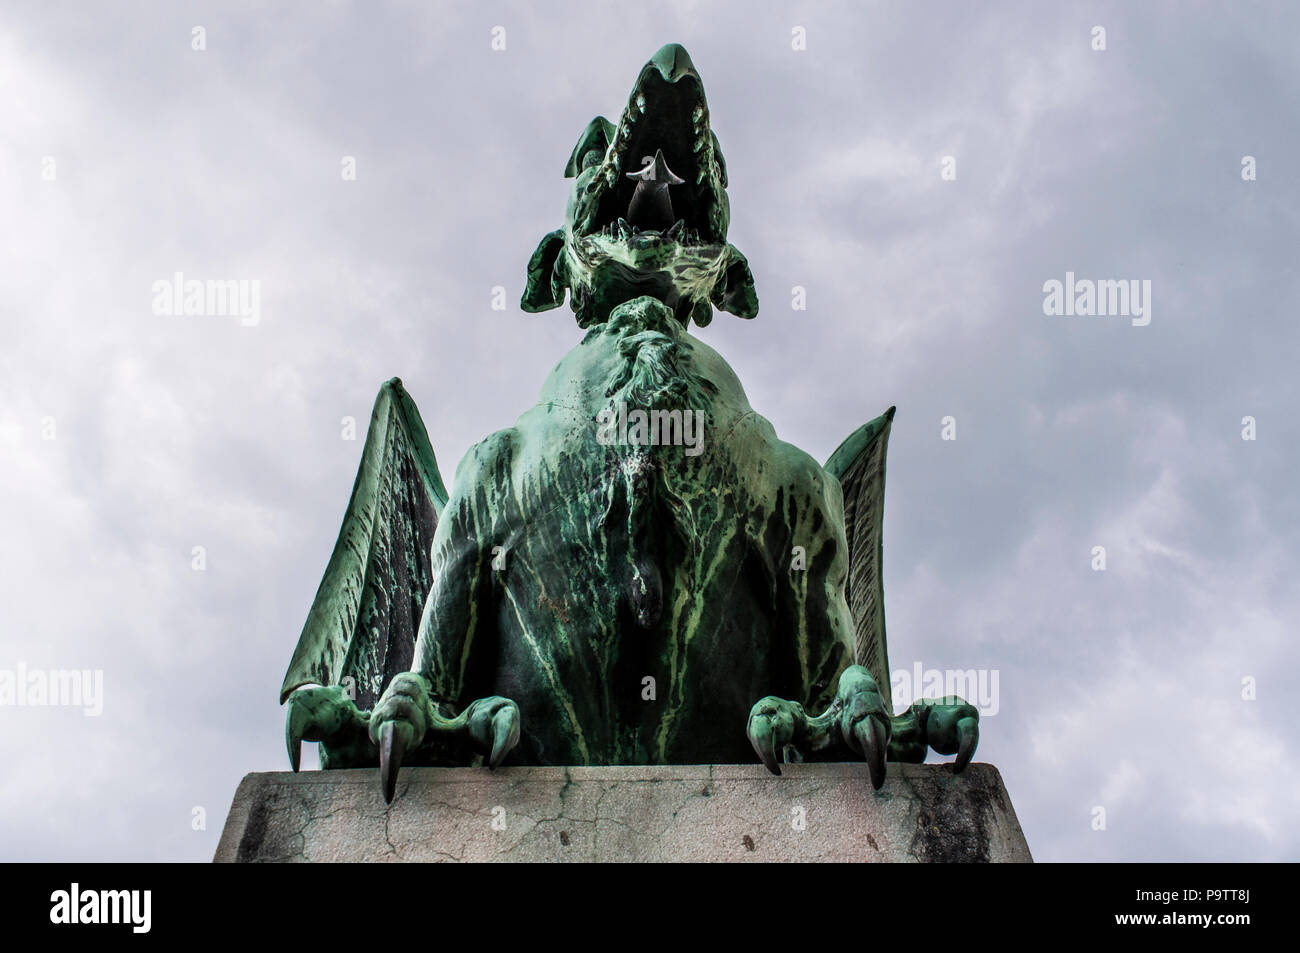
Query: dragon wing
{"type": "Point", "coordinates": [859, 465]}
{"type": "Point", "coordinates": [366, 615]}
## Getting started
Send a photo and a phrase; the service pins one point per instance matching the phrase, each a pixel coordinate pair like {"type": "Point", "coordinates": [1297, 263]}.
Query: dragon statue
{"type": "Point", "coordinates": [638, 571]}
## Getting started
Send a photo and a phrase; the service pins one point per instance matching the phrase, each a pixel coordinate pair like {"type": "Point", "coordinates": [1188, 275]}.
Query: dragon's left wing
{"type": "Point", "coordinates": [366, 615]}
{"type": "Point", "coordinates": [859, 465]}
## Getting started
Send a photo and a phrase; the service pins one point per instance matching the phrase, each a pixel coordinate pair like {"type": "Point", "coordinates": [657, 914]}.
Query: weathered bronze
{"type": "Point", "coordinates": [617, 577]}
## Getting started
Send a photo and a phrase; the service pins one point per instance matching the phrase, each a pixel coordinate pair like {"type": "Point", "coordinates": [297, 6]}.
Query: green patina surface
{"type": "Point", "coordinates": [638, 571]}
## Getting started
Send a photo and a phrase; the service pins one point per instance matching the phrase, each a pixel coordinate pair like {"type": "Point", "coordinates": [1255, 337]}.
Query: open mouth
{"type": "Point", "coordinates": [662, 173]}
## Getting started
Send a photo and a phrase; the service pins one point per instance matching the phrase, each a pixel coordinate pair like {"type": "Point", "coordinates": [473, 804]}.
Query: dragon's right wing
{"type": "Point", "coordinates": [859, 465]}
{"type": "Point", "coordinates": [366, 615]}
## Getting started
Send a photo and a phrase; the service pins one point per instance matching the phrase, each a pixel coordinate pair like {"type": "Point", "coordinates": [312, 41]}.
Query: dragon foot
{"type": "Point", "coordinates": [858, 718]}
{"type": "Point", "coordinates": [949, 725]}
{"type": "Point", "coordinates": [328, 715]}
{"type": "Point", "coordinates": [782, 730]}
{"type": "Point", "coordinates": [406, 714]}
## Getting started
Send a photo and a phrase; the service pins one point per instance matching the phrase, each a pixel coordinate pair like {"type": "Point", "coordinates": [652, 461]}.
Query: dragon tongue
{"type": "Point", "coordinates": [655, 169]}
{"type": "Point", "coordinates": [661, 171]}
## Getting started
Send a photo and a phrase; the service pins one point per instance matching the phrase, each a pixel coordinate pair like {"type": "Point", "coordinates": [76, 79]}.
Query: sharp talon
{"type": "Point", "coordinates": [293, 731]}
{"type": "Point", "coordinates": [505, 734]}
{"type": "Point", "coordinates": [392, 745]}
{"type": "Point", "coordinates": [763, 740]}
{"type": "Point", "coordinates": [968, 736]}
{"type": "Point", "coordinates": [767, 751]}
{"type": "Point", "coordinates": [770, 758]}
{"type": "Point", "coordinates": [292, 741]}
{"type": "Point", "coordinates": [872, 744]}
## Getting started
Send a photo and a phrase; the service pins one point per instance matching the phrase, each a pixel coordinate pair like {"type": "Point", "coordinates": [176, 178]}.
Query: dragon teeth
{"type": "Point", "coordinates": [640, 102]}
{"type": "Point", "coordinates": [697, 114]}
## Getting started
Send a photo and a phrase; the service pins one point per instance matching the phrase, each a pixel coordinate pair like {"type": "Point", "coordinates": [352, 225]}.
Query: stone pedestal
{"type": "Point", "coordinates": [813, 812]}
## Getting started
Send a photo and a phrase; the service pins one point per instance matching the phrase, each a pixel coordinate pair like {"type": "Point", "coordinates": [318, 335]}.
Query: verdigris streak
{"type": "Point", "coordinates": [638, 571]}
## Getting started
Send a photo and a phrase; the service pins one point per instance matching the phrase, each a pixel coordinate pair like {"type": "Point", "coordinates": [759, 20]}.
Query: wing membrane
{"type": "Point", "coordinates": [366, 615]}
{"type": "Point", "coordinates": [859, 465]}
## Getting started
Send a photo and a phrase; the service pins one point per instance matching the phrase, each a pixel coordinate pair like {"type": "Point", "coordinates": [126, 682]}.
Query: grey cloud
{"type": "Point", "coordinates": [1118, 689]}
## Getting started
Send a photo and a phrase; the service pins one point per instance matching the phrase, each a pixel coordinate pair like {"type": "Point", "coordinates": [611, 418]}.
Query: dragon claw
{"type": "Point", "coordinates": [295, 723]}
{"type": "Point", "coordinates": [407, 716]}
{"type": "Point", "coordinates": [398, 724]}
{"type": "Point", "coordinates": [773, 723]}
{"type": "Point", "coordinates": [770, 759]}
{"type": "Point", "coordinates": [860, 719]}
{"type": "Point", "coordinates": [948, 725]}
{"type": "Point", "coordinates": [765, 745]}
{"type": "Point", "coordinates": [505, 733]}
{"type": "Point", "coordinates": [870, 738]}
{"type": "Point", "coordinates": [392, 746]}
{"type": "Point", "coordinates": [493, 727]}
{"type": "Point", "coordinates": [968, 735]}
{"type": "Point", "coordinates": [327, 715]}
{"type": "Point", "coordinates": [865, 722]}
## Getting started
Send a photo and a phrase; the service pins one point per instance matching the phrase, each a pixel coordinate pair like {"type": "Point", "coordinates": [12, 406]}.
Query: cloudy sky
{"type": "Point", "coordinates": [1155, 689]}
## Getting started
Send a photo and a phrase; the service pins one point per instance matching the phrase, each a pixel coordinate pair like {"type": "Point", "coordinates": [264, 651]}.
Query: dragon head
{"type": "Point", "coordinates": [648, 210]}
